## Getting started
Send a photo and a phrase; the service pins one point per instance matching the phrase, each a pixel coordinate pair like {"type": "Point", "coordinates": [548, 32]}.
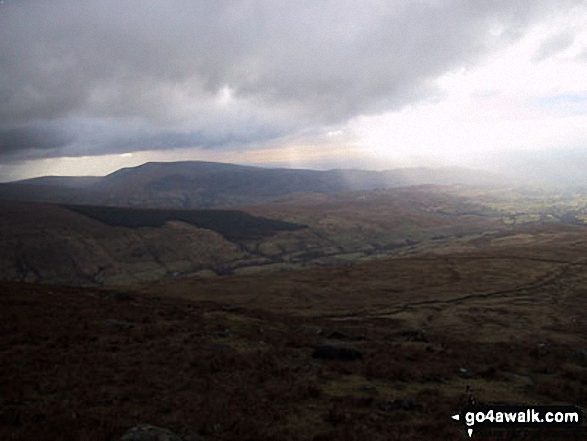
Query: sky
{"type": "Point", "coordinates": [87, 87]}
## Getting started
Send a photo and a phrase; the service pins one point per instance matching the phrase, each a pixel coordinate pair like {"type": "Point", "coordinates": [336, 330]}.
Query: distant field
{"type": "Point", "coordinates": [232, 224]}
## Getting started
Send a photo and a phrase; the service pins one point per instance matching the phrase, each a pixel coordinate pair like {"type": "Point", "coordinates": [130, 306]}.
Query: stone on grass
{"type": "Point", "coordinates": [146, 432]}
{"type": "Point", "coordinates": [336, 351]}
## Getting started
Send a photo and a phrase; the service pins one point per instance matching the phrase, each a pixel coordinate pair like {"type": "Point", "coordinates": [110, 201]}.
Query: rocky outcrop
{"type": "Point", "coordinates": [336, 351]}
{"type": "Point", "coordinates": [146, 432]}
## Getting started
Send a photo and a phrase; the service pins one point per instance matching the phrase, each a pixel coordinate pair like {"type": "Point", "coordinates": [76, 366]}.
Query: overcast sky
{"type": "Point", "coordinates": [90, 86]}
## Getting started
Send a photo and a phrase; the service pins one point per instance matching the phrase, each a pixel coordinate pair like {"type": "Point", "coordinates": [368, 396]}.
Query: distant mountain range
{"type": "Point", "coordinates": [198, 184]}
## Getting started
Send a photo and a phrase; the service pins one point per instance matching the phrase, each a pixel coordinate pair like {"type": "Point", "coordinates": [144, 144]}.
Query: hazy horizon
{"type": "Point", "coordinates": [537, 174]}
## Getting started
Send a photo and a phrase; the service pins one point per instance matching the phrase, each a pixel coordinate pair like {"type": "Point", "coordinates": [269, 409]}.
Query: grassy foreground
{"type": "Point", "coordinates": [231, 358]}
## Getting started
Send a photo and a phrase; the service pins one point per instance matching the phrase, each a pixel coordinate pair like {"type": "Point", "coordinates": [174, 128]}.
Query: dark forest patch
{"type": "Point", "coordinates": [232, 224]}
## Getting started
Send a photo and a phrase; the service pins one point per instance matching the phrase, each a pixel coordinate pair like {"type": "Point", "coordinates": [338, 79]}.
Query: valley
{"type": "Point", "coordinates": [108, 245]}
{"type": "Point", "coordinates": [343, 315]}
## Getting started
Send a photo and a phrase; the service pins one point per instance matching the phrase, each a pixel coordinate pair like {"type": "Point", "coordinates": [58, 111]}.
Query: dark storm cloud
{"type": "Point", "coordinates": [42, 137]}
{"type": "Point", "coordinates": [209, 71]}
{"type": "Point", "coordinates": [125, 141]}
{"type": "Point", "coordinates": [91, 139]}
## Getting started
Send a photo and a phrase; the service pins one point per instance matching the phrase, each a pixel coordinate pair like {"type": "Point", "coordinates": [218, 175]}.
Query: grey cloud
{"type": "Point", "coordinates": [43, 137]}
{"type": "Point", "coordinates": [291, 65]}
{"type": "Point", "coordinates": [167, 140]}
{"type": "Point", "coordinates": [553, 45]}
{"type": "Point", "coordinates": [90, 138]}
{"type": "Point", "coordinates": [582, 55]}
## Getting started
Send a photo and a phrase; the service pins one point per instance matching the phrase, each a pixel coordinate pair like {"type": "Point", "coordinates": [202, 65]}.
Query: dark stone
{"type": "Point", "coordinates": [146, 432]}
{"type": "Point", "coordinates": [418, 335]}
{"type": "Point", "coordinates": [338, 335]}
{"type": "Point", "coordinates": [466, 373]}
{"type": "Point", "coordinates": [122, 296]}
{"type": "Point", "coordinates": [336, 351]}
{"type": "Point", "coordinates": [540, 350]}
{"type": "Point", "coordinates": [230, 308]}
{"type": "Point", "coordinates": [421, 336]}
{"type": "Point", "coordinates": [369, 388]}
{"type": "Point", "coordinates": [118, 323]}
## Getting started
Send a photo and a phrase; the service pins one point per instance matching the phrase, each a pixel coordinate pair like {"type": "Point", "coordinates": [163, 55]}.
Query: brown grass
{"type": "Point", "coordinates": [231, 358]}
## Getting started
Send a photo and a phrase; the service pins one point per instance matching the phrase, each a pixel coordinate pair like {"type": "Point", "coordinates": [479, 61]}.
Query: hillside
{"type": "Point", "coordinates": [108, 245]}
{"type": "Point", "coordinates": [47, 243]}
{"type": "Point", "coordinates": [209, 185]}
{"type": "Point", "coordinates": [243, 357]}
{"type": "Point", "coordinates": [95, 245]}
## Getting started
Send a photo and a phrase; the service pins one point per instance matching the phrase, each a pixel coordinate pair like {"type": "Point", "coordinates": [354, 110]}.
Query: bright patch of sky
{"type": "Point", "coordinates": [512, 101]}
